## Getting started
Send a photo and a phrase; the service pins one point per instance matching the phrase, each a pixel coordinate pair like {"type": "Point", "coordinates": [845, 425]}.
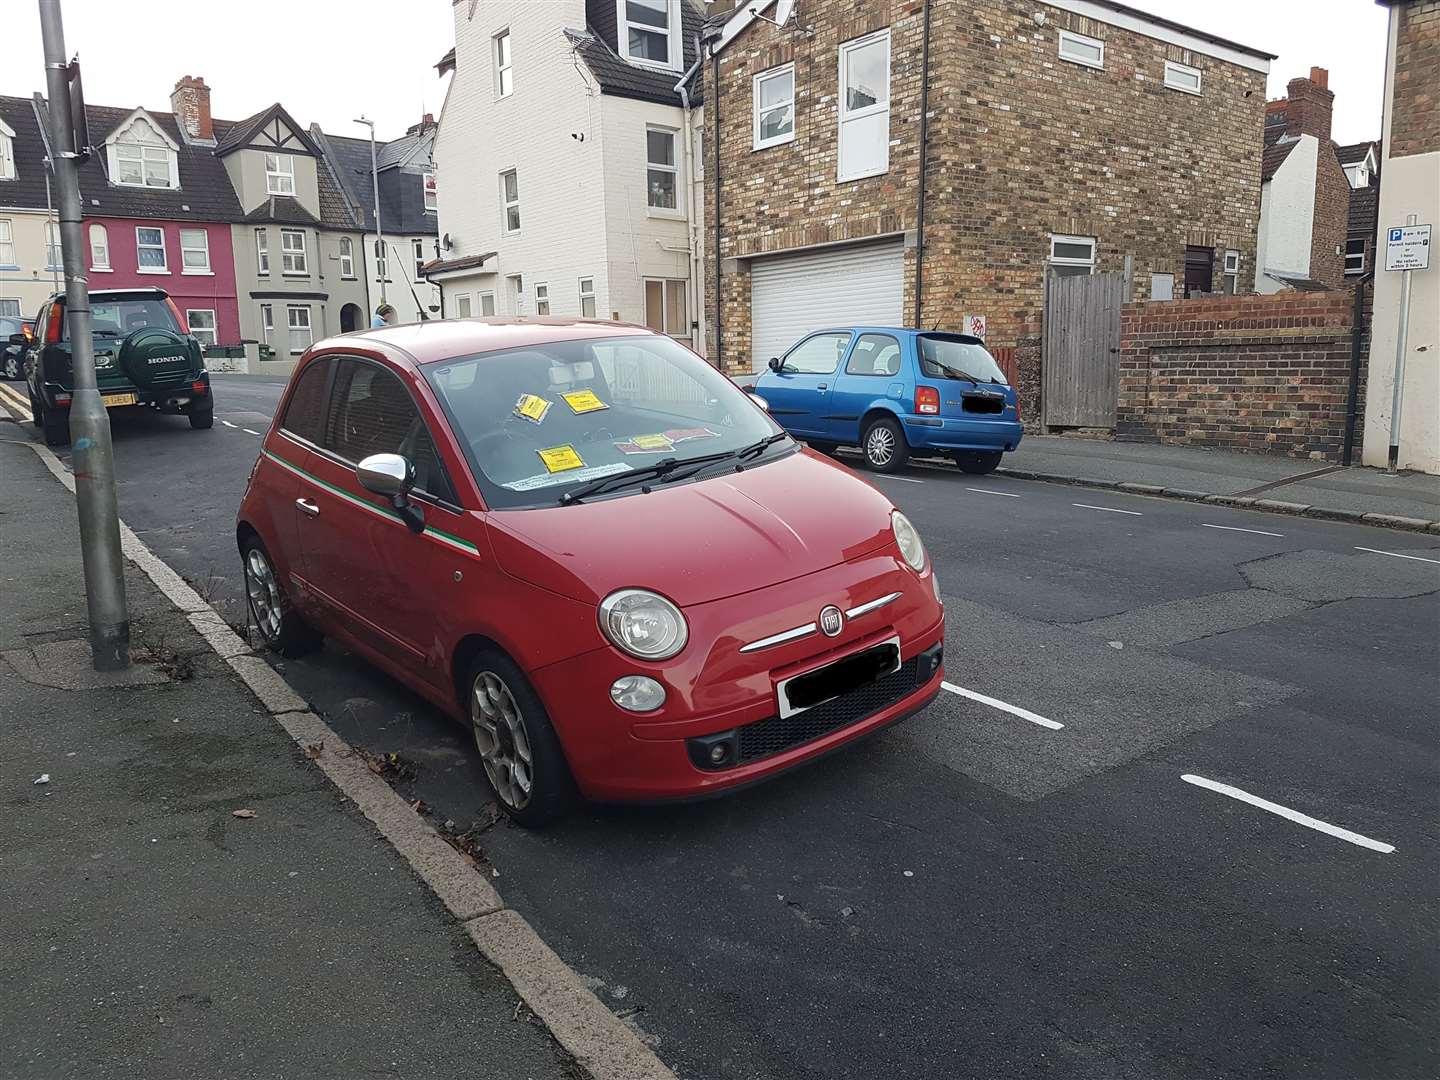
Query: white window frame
{"type": "Point", "coordinates": [1183, 71]}
{"type": "Point", "coordinates": [99, 263]}
{"type": "Point", "coordinates": [347, 258]}
{"type": "Point", "coordinates": [10, 307]}
{"type": "Point", "coordinates": [1360, 268]}
{"type": "Point", "coordinates": [262, 252]}
{"type": "Point", "coordinates": [542, 297]}
{"type": "Point", "coordinates": [651, 210]}
{"type": "Point", "coordinates": [267, 322]}
{"type": "Point", "coordinates": [757, 143]}
{"type": "Point", "coordinates": [587, 292]}
{"type": "Point", "coordinates": [506, 204]}
{"type": "Point", "coordinates": [846, 116]}
{"type": "Point", "coordinates": [141, 268]}
{"type": "Point", "coordinates": [673, 48]}
{"type": "Point", "coordinates": [1069, 260]}
{"type": "Point", "coordinates": [668, 286]}
{"type": "Point", "coordinates": [55, 251]}
{"type": "Point", "coordinates": [212, 330]}
{"type": "Point", "coordinates": [294, 261]}
{"type": "Point", "coordinates": [7, 244]}
{"type": "Point", "coordinates": [515, 293]}
{"type": "Point", "coordinates": [1230, 268]}
{"type": "Point", "coordinates": [382, 264]}
{"type": "Point", "coordinates": [280, 180]}
{"type": "Point", "coordinates": [462, 305]}
{"type": "Point", "coordinates": [486, 299]}
{"type": "Point", "coordinates": [502, 57]}
{"type": "Point", "coordinates": [431, 187]}
{"type": "Point", "coordinates": [7, 151]}
{"type": "Point", "coordinates": [1068, 36]}
{"type": "Point", "coordinates": [191, 248]}
{"type": "Point", "coordinates": [291, 310]}
{"type": "Point", "coordinates": [417, 250]}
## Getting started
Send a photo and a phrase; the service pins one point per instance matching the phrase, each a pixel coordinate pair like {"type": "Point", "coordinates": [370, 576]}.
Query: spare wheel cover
{"type": "Point", "coordinates": [153, 356]}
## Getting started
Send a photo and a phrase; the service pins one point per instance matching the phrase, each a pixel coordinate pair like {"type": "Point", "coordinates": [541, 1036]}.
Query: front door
{"type": "Point", "coordinates": [798, 392]}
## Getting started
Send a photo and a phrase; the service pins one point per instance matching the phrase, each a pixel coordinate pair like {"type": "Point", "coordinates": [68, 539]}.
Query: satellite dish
{"type": "Point", "coordinates": [446, 242]}
{"type": "Point", "coordinates": [783, 10]}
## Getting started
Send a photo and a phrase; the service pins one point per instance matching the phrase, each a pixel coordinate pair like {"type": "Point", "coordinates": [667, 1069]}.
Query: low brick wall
{"type": "Point", "coordinates": [1257, 373]}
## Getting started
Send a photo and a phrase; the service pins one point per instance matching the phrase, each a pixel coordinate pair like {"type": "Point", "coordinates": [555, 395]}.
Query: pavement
{"type": "Point", "coordinates": [148, 930]}
{"type": "Point", "coordinates": [1174, 817]}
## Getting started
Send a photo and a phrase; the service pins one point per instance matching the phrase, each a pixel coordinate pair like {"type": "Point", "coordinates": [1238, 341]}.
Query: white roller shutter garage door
{"type": "Point", "coordinates": [793, 295]}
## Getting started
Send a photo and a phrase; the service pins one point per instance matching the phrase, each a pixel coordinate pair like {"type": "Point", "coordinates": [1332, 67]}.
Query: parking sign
{"type": "Point", "coordinates": [1407, 247]}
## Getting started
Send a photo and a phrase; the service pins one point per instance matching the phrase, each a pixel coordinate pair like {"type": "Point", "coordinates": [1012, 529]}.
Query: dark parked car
{"type": "Point", "coordinates": [144, 356]}
{"type": "Point", "coordinates": [12, 354]}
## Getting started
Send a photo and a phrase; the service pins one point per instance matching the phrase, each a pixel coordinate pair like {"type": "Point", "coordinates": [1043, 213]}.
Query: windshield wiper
{"type": "Point", "coordinates": [619, 480]}
{"type": "Point", "coordinates": [743, 454]}
{"type": "Point", "coordinates": [665, 468]}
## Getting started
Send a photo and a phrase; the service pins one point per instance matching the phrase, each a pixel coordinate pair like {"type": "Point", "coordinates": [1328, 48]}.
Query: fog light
{"type": "Point", "coordinates": [637, 693]}
{"type": "Point", "coordinates": [718, 753]}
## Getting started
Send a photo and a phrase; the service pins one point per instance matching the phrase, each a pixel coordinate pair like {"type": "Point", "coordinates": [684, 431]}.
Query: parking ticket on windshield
{"type": "Point", "coordinates": [560, 458]}
{"type": "Point", "coordinates": [532, 408]}
{"type": "Point", "coordinates": [583, 401]}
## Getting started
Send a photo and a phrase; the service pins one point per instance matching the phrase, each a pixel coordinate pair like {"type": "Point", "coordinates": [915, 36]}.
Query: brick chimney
{"type": "Point", "coordinates": [426, 123]}
{"type": "Point", "coordinates": [1309, 102]}
{"type": "Point", "coordinates": [190, 102]}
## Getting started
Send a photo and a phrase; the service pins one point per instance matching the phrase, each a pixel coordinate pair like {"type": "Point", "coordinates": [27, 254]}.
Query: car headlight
{"type": "Point", "coordinates": [908, 540]}
{"type": "Point", "coordinates": [643, 624]}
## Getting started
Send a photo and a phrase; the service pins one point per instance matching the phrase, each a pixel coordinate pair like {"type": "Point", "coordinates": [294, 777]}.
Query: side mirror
{"type": "Point", "coordinates": [758, 400]}
{"type": "Point", "coordinates": [393, 476]}
{"type": "Point", "coordinates": [776, 364]}
{"type": "Point", "coordinates": [19, 339]}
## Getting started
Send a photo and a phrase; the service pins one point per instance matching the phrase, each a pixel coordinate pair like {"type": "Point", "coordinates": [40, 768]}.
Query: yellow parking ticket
{"type": "Point", "coordinates": [653, 442]}
{"type": "Point", "coordinates": [583, 401]}
{"type": "Point", "coordinates": [532, 408]}
{"type": "Point", "coordinates": [560, 458]}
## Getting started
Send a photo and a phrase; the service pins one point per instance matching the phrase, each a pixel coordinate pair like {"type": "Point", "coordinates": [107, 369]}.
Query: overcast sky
{"type": "Point", "coordinates": [329, 61]}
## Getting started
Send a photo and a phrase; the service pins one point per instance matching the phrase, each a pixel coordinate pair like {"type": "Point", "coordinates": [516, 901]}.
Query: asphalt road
{"type": "Point", "coordinates": [1076, 890]}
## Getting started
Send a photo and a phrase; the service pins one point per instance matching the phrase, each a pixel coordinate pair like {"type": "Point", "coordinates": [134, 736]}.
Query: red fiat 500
{"type": "Point", "coordinates": [590, 546]}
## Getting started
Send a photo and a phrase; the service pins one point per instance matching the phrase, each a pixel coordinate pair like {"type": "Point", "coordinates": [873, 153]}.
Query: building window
{"type": "Point", "coordinates": [864, 107]}
{"type": "Point", "coordinates": [774, 95]}
{"type": "Point", "coordinates": [194, 251]}
{"type": "Point", "coordinates": [382, 265]}
{"type": "Point", "coordinates": [1358, 174]}
{"type": "Point", "coordinates": [487, 303]}
{"type": "Point", "coordinates": [7, 152]}
{"type": "Point", "coordinates": [504, 77]}
{"type": "Point", "coordinates": [347, 257]}
{"type": "Point", "coordinates": [417, 248]}
{"type": "Point", "coordinates": [298, 318]}
{"type": "Point", "coordinates": [202, 325]}
{"type": "Point", "coordinates": [279, 174]}
{"type": "Point", "coordinates": [1072, 256]}
{"type": "Point", "coordinates": [661, 186]}
{"type": "Point", "coordinates": [665, 308]}
{"type": "Point", "coordinates": [1162, 286]}
{"type": "Point", "coordinates": [267, 322]}
{"type": "Point", "coordinates": [1181, 77]}
{"type": "Point", "coordinates": [432, 191]}
{"type": "Point", "coordinates": [262, 251]}
{"type": "Point", "coordinates": [1199, 270]}
{"type": "Point", "coordinates": [1354, 255]}
{"type": "Point", "coordinates": [587, 298]}
{"type": "Point", "coordinates": [542, 299]}
{"type": "Point", "coordinates": [292, 253]}
{"type": "Point", "coordinates": [510, 202]}
{"type": "Point", "coordinates": [142, 156]}
{"type": "Point", "coordinates": [99, 248]}
{"type": "Point", "coordinates": [1079, 49]}
{"type": "Point", "coordinates": [650, 32]}
{"type": "Point", "coordinates": [462, 306]}
{"type": "Point", "coordinates": [54, 253]}
{"type": "Point", "coordinates": [10, 306]}
{"type": "Point", "coordinates": [1232, 272]}
{"type": "Point", "coordinates": [516, 285]}
{"type": "Point", "coordinates": [150, 251]}
{"type": "Point", "coordinates": [7, 243]}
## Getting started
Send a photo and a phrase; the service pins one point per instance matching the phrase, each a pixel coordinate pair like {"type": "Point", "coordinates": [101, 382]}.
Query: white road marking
{"type": "Point", "coordinates": [907, 479]}
{"type": "Point", "coordinates": [249, 432]}
{"type": "Point", "coordinates": [1396, 554]}
{"type": "Point", "coordinates": [227, 423]}
{"type": "Point", "coordinates": [1108, 509]}
{"type": "Point", "coordinates": [14, 401]}
{"type": "Point", "coordinates": [1232, 528]}
{"type": "Point", "coordinates": [990, 491]}
{"type": "Point", "coordinates": [1003, 706]}
{"type": "Point", "coordinates": [1288, 814]}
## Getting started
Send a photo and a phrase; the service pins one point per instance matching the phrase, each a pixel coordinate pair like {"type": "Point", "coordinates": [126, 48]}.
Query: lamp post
{"type": "Point", "coordinates": [375, 186]}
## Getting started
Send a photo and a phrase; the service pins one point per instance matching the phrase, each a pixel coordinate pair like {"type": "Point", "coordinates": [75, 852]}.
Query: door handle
{"type": "Point", "coordinates": [308, 508]}
{"type": "Point", "coordinates": [823, 386]}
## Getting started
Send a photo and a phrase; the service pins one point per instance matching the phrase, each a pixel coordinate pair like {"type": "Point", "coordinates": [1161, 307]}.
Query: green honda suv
{"type": "Point", "coordinates": [144, 357]}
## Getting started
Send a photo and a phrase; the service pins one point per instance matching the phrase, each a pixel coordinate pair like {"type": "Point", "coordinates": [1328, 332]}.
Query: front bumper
{"type": "Point", "coordinates": [968, 433]}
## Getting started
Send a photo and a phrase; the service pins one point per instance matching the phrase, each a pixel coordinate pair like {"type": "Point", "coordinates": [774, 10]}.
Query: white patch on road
{"type": "Point", "coordinates": [1396, 555]}
{"type": "Point", "coordinates": [992, 491]}
{"type": "Point", "coordinates": [227, 423]}
{"type": "Point", "coordinates": [1232, 528]}
{"type": "Point", "coordinates": [1290, 815]}
{"type": "Point", "coordinates": [13, 401]}
{"type": "Point", "coordinates": [907, 479]}
{"type": "Point", "coordinates": [1108, 509]}
{"type": "Point", "coordinates": [248, 431]}
{"type": "Point", "coordinates": [1003, 706]}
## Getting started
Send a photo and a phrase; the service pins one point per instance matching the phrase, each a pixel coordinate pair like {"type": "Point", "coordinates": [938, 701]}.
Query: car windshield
{"type": "Point", "coordinates": [119, 317]}
{"type": "Point", "coordinates": [944, 356]}
{"type": "Point", "coordinates": [540, 421]}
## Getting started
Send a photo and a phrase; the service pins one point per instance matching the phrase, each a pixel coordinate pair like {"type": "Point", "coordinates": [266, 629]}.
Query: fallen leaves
{"type": "Point", "coordinates": [246, 813]}
{"type": "Point", "coordinates": [314, 750]}
{"type": "Point", "coordinates": [391, 766]}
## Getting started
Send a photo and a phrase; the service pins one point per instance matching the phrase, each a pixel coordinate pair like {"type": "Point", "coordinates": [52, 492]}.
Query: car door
{"type": "Point", "coordinates": [797, 392]}
{"type": "Point", "coordinates": [872, 370]}
{"type": "Point", "coordinates": [386, 584]}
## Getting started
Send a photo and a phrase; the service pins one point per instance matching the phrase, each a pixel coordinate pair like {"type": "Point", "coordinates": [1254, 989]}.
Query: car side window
{"type": "Point", "coordinates": [818, 355]}
{"type": "Point", "coordinates": [874, 354]}
{"type": "Point", "coordinates": [371, 412]}
{"type": "Point", "coordinates": [305, 414]}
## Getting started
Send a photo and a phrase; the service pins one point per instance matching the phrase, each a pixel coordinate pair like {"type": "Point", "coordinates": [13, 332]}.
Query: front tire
{"type": "Point", "coordinates": [12, 367]}
{"type": "Point", "coordinates": [884, 446]}
{"type": "Point", "coordinates": [280, 627]}
{"type": "Point", "coordinates": [519, 750]}
{"type": "Point", "coordinates": [977, 462]}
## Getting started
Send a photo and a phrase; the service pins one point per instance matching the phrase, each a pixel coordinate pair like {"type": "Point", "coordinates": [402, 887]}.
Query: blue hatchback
{"type": "Point", "coordinates": [892, 392]}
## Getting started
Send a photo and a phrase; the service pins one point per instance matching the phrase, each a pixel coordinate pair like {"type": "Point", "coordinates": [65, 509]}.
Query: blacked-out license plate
{"type": "Point", "coordinates": [835, 680]}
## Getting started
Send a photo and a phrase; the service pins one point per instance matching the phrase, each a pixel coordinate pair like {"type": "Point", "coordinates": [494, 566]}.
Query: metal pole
{"type": "Point", "coordinates": [50, 224]}
{"type": "Point", "coordinates": [1352, 402]}
{"type": "Point", "coordinates": [1398, 397]}
{"type": "Point", "coordinates": [379, 234]}
{"type": "Point", "coordinates": [93, 458]}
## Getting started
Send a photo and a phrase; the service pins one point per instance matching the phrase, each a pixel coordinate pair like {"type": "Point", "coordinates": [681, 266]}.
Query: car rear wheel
{"type": "Point", "coordinates": [280, 627]}
{"type": "Point", "coordinates": [977, 462]}
{"type": "Point", "coordinates": [12, 366]}
{"type": "Point", "coordinates": [884, 445]}
{"type": "Point", "coordinates": [518, 747]}
{"type": "Point", "coordinates": [202, 419]}
{"type": "Point", "coordinates": [54, 424]}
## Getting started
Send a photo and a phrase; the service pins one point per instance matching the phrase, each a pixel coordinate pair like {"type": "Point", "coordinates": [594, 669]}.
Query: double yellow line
{"type": "Point", "coordinates": [14, 401]}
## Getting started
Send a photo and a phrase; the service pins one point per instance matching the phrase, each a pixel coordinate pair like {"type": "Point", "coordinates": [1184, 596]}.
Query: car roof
{"type": "Point", "coordinates": [445, 339]}
{"type": "Point", "coordinates": [899, 330]}
{"type": "Point", "coordinates": [118, 292]}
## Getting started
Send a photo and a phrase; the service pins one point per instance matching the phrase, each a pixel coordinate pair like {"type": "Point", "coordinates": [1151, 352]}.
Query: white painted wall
{"type": "Point", "coordinates": [402, 285]}
{"type": "Point", "coordinates": [1287, 217]}
{"type": "Point", "coordinates": [28, 279]}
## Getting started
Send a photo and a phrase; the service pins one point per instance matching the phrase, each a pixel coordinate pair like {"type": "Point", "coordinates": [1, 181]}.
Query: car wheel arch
{"type": "Point", "coordinates": [876, 412]}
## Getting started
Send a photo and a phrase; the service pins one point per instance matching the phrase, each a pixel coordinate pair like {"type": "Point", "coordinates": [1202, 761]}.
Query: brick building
{"type": "Point", "coordinates": [1067, 135]}
{"type": "Point", "coordinates": [1305, 197]}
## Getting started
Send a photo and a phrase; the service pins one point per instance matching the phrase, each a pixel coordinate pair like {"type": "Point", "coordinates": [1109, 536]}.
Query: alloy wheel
{"type": "Point", "coordinates": [502, 739]}
{"type": "Point", "coordinates": [264, 593]}
{"type": "Point", "coordinates": [880, 445]}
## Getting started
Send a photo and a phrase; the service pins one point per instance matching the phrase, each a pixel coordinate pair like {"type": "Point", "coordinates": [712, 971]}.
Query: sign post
{"type": "Point", "coordinates": [1406, 249]}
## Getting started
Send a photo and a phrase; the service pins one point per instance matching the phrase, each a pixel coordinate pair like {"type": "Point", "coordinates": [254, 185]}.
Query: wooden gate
{"type": "Point", "coordinates": [1082, 349]}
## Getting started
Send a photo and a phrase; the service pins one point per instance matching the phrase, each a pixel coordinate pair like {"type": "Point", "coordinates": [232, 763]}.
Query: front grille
{"type": "Point", "coordinates": [777, 734]}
